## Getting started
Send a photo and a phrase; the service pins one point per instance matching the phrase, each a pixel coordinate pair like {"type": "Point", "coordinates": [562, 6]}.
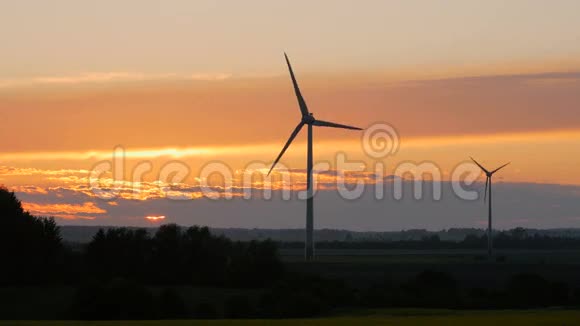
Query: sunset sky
{"type": "Point", "coordinates": [196, 82]}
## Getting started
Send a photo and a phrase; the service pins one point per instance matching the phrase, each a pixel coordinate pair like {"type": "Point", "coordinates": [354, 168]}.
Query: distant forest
{"type": "Point", "coordinates": [84, 234]}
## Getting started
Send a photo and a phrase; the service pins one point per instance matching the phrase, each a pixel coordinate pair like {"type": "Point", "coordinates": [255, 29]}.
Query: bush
{"type": "Point", "coordinates": [379, 295]}
{"type": "Point", "coordinates": [170, 305]}
{"type": "Point", "coordinates": [305, 296]}
{"type": "Point", "coordinates": [297, 304]}
{"type": "Point", "coordinates": [575, 297]}
{"type": "Point", "coordinates": [430, 289]}
{"type": "Point", "coordinates": [238, 307]}
{"type": "Point", "coordinates": [205, 310]}
{"type": "Point", "coordinates": [501, 259]}
{"type": "Point", "coordinates": [118, 300]}
{"type": "Point", "coordinates": [528, 290]}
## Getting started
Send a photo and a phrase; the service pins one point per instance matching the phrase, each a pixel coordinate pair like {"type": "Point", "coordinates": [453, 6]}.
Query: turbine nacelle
{"type": "Point", "coordinates": [488, 175]}
{"type": "Point", "coordinates": [308, 119]}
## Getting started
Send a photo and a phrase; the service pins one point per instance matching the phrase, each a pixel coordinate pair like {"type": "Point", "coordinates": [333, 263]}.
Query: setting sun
{"type": "Point", "coordinates": [155, 218]}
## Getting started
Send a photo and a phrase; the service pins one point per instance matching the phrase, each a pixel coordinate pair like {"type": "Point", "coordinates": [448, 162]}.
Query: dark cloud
{"type": "Point", "coordinates": [515, 204]}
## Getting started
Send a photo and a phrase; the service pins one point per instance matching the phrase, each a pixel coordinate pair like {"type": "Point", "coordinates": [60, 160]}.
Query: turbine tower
{"type": "Point", "coordinates": [488, 175]}
{"type": "Point", "coordinates": [307, 119]}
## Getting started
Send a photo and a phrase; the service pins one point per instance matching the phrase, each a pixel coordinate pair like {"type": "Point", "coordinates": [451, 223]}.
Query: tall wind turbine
{"type": "Point", "coordinates": [307, 119]}
{"type": "Point", "coordinates": [488, 175]}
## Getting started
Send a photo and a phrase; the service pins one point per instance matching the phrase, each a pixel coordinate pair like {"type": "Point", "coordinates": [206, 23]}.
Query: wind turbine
{"type": "Point", "coordinates": [488, 175]}
{"type": "Point", "coordinates": [307, 119]}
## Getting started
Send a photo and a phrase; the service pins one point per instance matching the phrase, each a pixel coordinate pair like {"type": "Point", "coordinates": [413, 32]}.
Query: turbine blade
{"type": "Point", "coordinates": [501, 167]}
{"type": "Point", "coordinates": [301, 102]}
{"type": "Point", "coordinates": [485, 194]}
{"type": "Point", "coordinates": [321, 123]}
{"type": "Point", "coordinates": [292, 136]}
{"type": "Point", "coordinates": [480, 166]}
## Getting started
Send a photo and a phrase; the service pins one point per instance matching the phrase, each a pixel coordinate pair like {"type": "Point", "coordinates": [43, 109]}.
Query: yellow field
{"type": "Point", "coordinates": [399, 317]}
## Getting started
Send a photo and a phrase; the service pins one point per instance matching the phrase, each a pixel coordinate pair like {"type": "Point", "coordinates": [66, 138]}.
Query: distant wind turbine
{"type": "Point", "coordinates": [488, 175]}
{"type": "Point", "coordinates": [307, 119]}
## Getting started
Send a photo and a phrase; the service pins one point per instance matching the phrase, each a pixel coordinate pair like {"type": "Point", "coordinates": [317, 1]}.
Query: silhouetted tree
{"type": "Point", "coordinates": [206, 256]}
{"type": "Point", "coordinates": [28, 244]}
{"type": "Point", "coordinates": [255, 264]}
{"type": "Point", "coordinates": [119, 252]}
{"type": "Point", "coordinates": [174, 256]}
{"type": "Point", "coordinates": [169, 254]}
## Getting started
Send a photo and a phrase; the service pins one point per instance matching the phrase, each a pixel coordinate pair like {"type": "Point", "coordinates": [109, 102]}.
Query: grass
{"type": "Point", "coordinates": [358, 269]}
{"type": "Point", "coordinates": [383, 317]}
{"type": "Point", "coordinates": [441, 256]}
{"type": "Point", "coordinates": [362, 268]}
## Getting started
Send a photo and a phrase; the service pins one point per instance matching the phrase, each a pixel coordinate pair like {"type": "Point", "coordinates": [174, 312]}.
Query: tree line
{"type": "Point", "coordinates": [173, 255]}
{"type": "Point", "coordinates": [133, 274]}
{"type": "Point", "coordinates": [517, 238]}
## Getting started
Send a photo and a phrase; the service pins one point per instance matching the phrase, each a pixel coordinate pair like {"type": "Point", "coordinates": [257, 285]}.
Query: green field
{"type": "Point", "coordinates": [471, 268]}
{"type": "Point", "coordinates": [393, 317]}
{"type": "Point", "coordinates": [359, 269]}
{"type": "Point", "coordinates": [440, 256]}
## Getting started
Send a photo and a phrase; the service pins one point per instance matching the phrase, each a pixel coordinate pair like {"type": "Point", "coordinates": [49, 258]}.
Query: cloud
{"type": "Point", "coordinates": [224, 151]}
{"type": "Point", "coordinates": [64, 211]}
{"type": "Point", "coordinates": [108, 77]}
{"type": "Point", "coordinates": [29, 189]}
{"type": "Point", "coordinates": [535, 205]}
{"type": "Point", "coordinates": [15, 171]}
{"type": "Point", "coordinates": [573, 76]}
{"type": "Point", "coordinates": [137, 153]}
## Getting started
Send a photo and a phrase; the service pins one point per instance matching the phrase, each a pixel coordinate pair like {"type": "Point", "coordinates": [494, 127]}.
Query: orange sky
{"type": "Point", "coordinates": [522, 118]}
{"type": "Point", "coordinates": [196, 83]}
